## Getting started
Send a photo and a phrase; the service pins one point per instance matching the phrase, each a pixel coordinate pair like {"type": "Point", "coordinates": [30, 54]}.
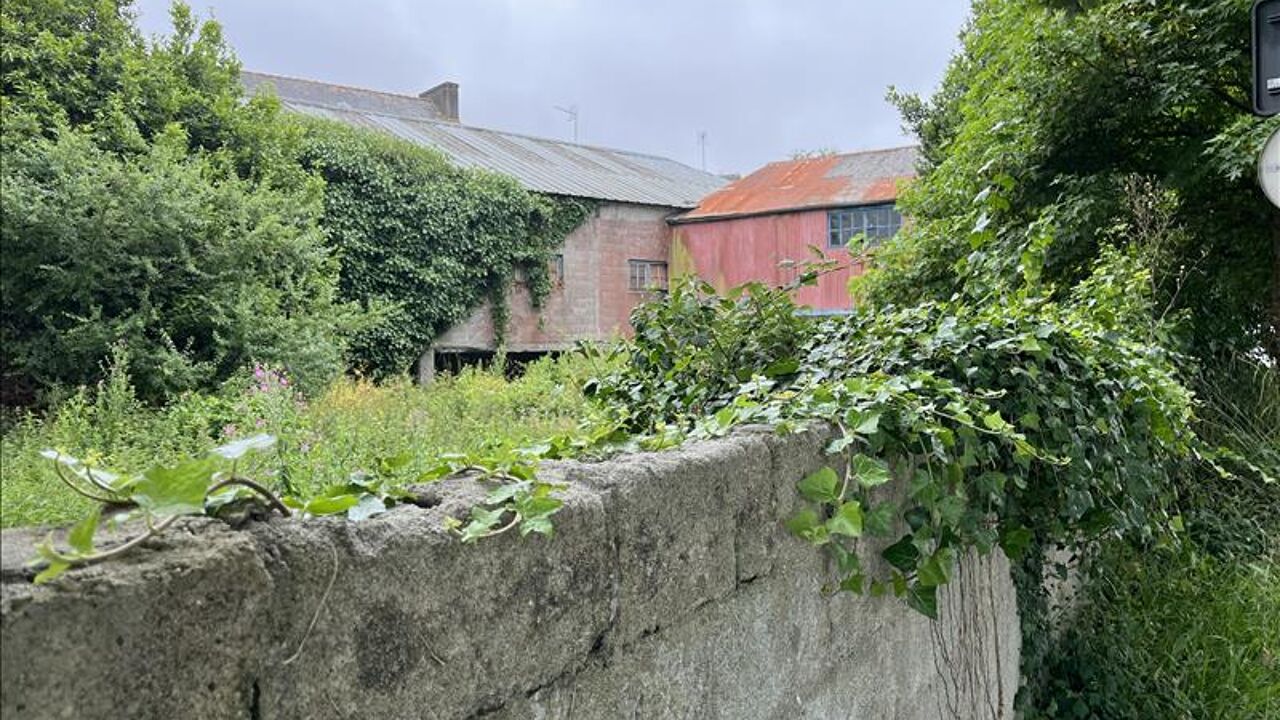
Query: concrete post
{"type": "Point", "coordinates": [427, 367]}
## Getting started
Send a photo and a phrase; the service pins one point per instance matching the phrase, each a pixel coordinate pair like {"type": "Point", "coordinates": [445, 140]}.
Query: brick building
{"type": "Point", "coordinates": [607, 265]}
{"type": "Point", "coordinates": [745, 231]}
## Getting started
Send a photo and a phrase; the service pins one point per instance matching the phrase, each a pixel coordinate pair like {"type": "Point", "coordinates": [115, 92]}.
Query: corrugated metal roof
{"type": "Point", "coordinates": [539, 164]}
{"type": "Point", "coordinates": [828, 181]}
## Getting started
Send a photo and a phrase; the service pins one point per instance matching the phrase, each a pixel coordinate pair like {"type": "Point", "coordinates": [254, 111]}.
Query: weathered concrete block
{"type": "Point", "coordinates": [670, 590]}
{"type": "Point", "coordinates": [170, 630]}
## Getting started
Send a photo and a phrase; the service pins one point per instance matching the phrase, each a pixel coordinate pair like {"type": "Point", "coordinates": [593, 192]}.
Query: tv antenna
{"type": "Point", "coordinates": [572, 113]}
{"type": "Point", "coordinates": [702, 147]}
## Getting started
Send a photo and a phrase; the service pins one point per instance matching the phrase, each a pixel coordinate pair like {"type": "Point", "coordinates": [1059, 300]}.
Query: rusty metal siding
{"type": "Point", "coordinates": [734, 251]}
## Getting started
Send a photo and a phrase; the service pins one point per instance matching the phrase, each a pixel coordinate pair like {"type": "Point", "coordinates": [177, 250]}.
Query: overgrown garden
{"type": "Point", "coordinates": [1069, 353]}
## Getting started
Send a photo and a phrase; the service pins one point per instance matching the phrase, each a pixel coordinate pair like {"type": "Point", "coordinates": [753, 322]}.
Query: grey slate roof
{"type": "Point", "coordinates": [540, 164]}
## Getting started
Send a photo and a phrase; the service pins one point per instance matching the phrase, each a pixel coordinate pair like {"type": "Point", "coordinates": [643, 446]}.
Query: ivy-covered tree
{"type": "Point", "coordinates": [1084, 124]}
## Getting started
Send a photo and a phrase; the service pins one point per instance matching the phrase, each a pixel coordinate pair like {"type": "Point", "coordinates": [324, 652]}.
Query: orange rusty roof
{"type": "Point", "coordinates": [828, 181]}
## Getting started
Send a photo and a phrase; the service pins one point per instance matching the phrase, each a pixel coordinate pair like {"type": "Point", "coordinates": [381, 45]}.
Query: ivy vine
{"type": "Point", "coordinates": [422, 242]}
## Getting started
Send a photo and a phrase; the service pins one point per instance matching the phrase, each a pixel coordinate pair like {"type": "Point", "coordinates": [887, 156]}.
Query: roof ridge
{"type": "Point", "coordinates": [294, 78]}
{"type": "Point", "coordinates": [452, 123]}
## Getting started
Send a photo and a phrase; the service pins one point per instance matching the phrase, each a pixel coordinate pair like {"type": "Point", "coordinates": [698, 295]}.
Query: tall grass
{"type": "Point", "coordinates": [322, 440]}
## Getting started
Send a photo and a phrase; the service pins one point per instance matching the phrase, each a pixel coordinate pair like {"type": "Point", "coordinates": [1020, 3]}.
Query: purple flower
{"type": "Point", "coordinates": [228, 430]}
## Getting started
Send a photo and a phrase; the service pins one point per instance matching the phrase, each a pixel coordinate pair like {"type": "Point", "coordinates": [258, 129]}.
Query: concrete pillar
{"type": "Point", "coordinates": [427, 367]}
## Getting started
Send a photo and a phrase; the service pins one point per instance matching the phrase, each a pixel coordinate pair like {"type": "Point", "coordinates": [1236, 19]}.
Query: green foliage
{"type": "Point", "coordinates": [1186, 631]}
{"type": "Point", "coordinates": [693, 351]}
{"type": "Point", "coordinates": [1022, 420]}
{"type": "Point", "coordinates": [1032, 146]}
{"type": "Point", "coordinates": [391, 433]}
{"type": "Point", "coordinates": [196, 271]}
{"type": "Point", "coordinates": [144, 203]}
{"type": "Point", "coordinates": [1170, 635]}
{"type": "Point", "coordinates": [425, 242]}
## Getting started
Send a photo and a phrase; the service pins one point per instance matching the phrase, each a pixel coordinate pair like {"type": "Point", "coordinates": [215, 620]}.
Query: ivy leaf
{"type": "Point", "coordinates": [786, 366]}
{"type": "Point", "coordinates": [846, 562]}
{"type": "Point", "coordinates": [924, 600]}
{"type": "Point", "coordinates": [992, 421]}
{"type": "Point", "coordinates": [236, 450]}
{"type": "Point", "coordinates": [902, 554]}
{"type": "Point", "coordinates": [55, 565]}
{"type": "Point", "coordinates": [1015, 541]}
{"type": "Point", "coordinates": [853, 583]}
{"type": "Point", "coordinates": [482, 522]}
{"type": "Point", "coordinates": [870, 472]}
{"type": "Point", "coordinates": [80, 538]}
{"type": "Point", "coordinates": [807, 526]}
{"type": "Point", "coordinates": [868, 422]}
{"type": "Point", "coordinates": [538, 506]}
{"type": "Point", "coordinates": [331, 504]}
{"type": "Point", "coordinates": [879, 521]}
{"type": "Point", "coordinates": [950, 509]}
{"type": "Point", "coordinates": [540, 524]}
{"type": "Point", "coordinates": [820, 487]}
{"type": "Point", "coordinates": [178, 490]}
{"type": "Point", "coordinates": [837, 446]}
{"type": "Point", "coordinates": [366, 507]}
{"type": "Point", "coordinates": [847, 520]}
{"type": "Point", "coordinates": [504, 493]}
{"type": "Point", "coordinates": [51, 571]}
{"type": "Point", "coordinates": [937, 569]}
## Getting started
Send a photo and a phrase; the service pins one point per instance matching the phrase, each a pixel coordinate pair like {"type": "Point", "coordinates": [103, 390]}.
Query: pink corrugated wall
{"type": "Point", "coordinates": [737, 250]}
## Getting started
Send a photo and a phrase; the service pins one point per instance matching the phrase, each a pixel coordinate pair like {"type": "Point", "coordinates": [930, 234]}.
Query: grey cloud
{"type": "Point", "coordinates": [763, 78]}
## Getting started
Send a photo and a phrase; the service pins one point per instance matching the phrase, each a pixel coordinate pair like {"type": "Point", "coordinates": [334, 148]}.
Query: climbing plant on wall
{"type": "Point", "coordinates": [423, 242]}
{"type": "Point", "coordinates": [1023, 421]}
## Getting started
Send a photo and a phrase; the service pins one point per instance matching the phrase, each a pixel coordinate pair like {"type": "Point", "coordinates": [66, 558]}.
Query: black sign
{"type": "Point", "coordinates": [1266, 57]}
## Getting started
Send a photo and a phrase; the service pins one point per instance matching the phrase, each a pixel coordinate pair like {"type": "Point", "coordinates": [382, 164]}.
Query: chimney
{"type": "Point", "coordinates": [445, 99]}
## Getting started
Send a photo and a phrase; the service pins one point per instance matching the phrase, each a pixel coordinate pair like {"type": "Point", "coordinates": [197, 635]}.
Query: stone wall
{"type": "Point", "coordinates": [668, 591]}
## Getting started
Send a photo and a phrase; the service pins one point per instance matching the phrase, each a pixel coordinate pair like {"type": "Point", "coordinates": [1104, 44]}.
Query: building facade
{"type": "Point", "coordinates": [757, 228]}
{"type": "Point", "coordinates": [607, 266]}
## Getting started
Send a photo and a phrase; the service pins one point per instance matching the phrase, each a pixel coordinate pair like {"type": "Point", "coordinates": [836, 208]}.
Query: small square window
{"type": "Point", "coordinates": [876, 221]}
{"type": "Point", "coordinates": [646, 275]}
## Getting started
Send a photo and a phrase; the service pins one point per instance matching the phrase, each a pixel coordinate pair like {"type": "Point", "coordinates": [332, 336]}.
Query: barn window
{"type": "Point", "coordinates": [646, 275]}
{"type": "Point", "coordinates": [877, 222]}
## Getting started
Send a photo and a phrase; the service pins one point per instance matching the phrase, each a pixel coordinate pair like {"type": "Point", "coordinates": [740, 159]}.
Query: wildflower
{"type": "Point", "coordinates": [228, 430]}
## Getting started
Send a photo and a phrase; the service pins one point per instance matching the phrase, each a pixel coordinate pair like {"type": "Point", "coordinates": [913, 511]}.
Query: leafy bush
{"type": "Point", "coordinates": [197, 271]}
{"type": "Point", "coordinates": [1046, 116]}
{"type": "Point", "coordinates": [1023, 421]}
{"type": "Point", "coordinates": [694, 349]}
{"type": "Point", "coordinates": [424, 242]}
{"type": "Point", "coordinates": [144, 203]}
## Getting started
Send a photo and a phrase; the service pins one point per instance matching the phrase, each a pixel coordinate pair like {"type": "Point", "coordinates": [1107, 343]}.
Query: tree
{"type": "Point", "coordinates": [1066, 127]}
{"type": "Point", "coordinates": [144, 203]}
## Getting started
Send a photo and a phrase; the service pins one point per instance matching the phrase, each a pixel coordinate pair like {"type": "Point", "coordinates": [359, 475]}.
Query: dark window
{"type": "Point", "coordinates": [646, 275]}
{"type": "Point", "coordinates": [876, 222]}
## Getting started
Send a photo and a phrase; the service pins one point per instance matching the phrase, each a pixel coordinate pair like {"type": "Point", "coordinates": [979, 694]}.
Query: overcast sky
{"type": "Point", "coordinates": [763, 78]}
